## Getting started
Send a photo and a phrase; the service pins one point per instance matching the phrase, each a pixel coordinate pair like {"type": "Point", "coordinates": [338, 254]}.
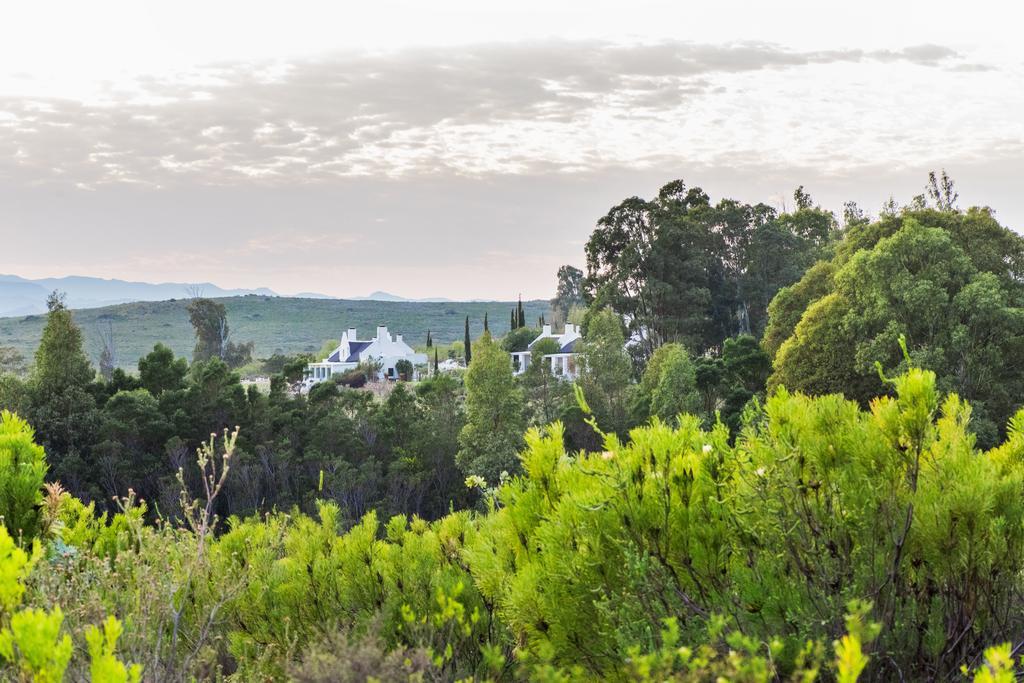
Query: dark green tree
{"type": "Point", "coordinates": [486, 328]}
{"type": "Point", "coordinates": [467, 344]}
{"type": "Point", "coordinates": [605, 371]}
{"type": "Point", "coordinates": [493, 434]}
{"type": "Point", "coordinates": [61, 407]}
{"type": "Point", "coordinates": [210, 321]}
{"type": "Point", "coordinates": [160, 371]}
{"type": "Point", "coordinates": [681, 269]}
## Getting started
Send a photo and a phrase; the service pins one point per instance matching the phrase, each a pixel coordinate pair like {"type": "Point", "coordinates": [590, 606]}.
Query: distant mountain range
{"type": "Point", "coordinates": [385, 296]}
{"type": "Point", "coordinates": [21, 296]}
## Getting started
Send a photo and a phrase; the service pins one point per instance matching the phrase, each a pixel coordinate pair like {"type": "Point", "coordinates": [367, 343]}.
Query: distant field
{"type": "Point", "coordinates": [274, 324]}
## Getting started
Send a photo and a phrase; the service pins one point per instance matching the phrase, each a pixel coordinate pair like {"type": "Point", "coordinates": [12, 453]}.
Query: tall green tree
{"type": "Point", "coordinates": [61, 407]}
{"type": "Point", "coordinates": [605, 371]}
{"type": "Point", "coordinates": [495, 421]}
{"type": "Point", "coordinates": [950, 282]}
{"type": "Point", "coordinates": [679, 268]}
{"type": "Point", "coordinates": [668, 387]}
{"type": "Point", "coordinates": [467, 344]}
{"type": "Point", "coordinates": [210, 322]}
{"type": "Point", "coordinates": [569, 291]}
{"type": "Point", "coordinates": [547, 396]}
{"type": "Point", "coordinates": [160, 371]}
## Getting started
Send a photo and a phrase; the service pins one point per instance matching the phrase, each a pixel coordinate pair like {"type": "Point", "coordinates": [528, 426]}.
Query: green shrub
{"type": "Point", "coordinates": [22, 470]}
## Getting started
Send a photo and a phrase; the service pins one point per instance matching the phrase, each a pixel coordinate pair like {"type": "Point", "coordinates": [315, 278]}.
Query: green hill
{"type": "Point", "coordinates": [274, 324]}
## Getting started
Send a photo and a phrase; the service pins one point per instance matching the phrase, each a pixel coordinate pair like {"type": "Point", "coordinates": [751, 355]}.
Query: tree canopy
{"type": "Point", "coordinates": [679, 268]}
{"type": "Point", "coordinates": [950, 282]}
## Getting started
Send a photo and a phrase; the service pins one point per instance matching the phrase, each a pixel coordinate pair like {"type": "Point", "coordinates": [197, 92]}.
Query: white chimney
{"type": "Point", "coordinates": [570, 328]}
{"type": "Point", "coordinates": [547, 331]}
{"type": "Point", "coordinates": [398, 338]}
{"type": "Point", "coordinates": [382, 333]}
{"type": "Point", "coordinates": [351, 334]}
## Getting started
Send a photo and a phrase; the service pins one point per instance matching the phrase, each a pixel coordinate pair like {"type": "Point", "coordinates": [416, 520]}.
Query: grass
{"type": "Point", "coordinates": [274, 324]}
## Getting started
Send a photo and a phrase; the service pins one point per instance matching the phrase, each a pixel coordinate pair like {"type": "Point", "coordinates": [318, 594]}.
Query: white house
{"type": "Point", "coordinates": [383, 348]}
{"type": "Point", "coordinates": [562, 363]}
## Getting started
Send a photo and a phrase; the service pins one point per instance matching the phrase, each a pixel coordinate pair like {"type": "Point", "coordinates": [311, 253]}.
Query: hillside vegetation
{"type": "Point", "coordinates": [788, 475]}
{"type": "Point", "coordinates": [274, 324]}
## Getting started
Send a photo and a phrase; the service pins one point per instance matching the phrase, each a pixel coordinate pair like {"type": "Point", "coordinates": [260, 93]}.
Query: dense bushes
{"type": "Point", "coordinates": [823, 540]}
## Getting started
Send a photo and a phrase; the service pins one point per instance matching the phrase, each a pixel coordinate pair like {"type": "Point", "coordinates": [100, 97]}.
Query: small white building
{"type": "Point", "coordinates": [562, 363]}
{"type": "Point", "coordinates": [383, 348]}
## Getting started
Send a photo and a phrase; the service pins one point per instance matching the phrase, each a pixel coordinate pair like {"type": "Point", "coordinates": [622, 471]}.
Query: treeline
{"type": "Point", "coordinates": [105, 437]}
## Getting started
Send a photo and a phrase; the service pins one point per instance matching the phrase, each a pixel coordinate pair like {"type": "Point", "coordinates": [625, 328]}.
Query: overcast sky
{"type": "Point", "coordinates": [466, 149]}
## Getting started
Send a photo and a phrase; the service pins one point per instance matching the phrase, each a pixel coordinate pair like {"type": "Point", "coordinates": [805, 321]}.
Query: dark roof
{"type": "Point", "coordinates": [568, 348]}
{"type": "Point", "coordinates": [354, 347]}
{"type": "Point", "coordinates": [334, 357]}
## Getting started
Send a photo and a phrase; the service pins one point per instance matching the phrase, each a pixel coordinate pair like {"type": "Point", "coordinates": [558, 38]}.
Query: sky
{"type": "Point", "coordinates": [467, 149]}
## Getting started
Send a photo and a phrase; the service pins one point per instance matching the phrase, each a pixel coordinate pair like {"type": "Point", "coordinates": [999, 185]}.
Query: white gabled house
{"type": "Point", "coordinates": [383, 348]}
{"type": "Point", "coordinates": [562, 363]}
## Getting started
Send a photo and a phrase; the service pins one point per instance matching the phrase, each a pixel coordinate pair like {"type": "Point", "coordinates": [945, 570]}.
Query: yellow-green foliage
{"type": "Point", "coordinates": [22, 469]}
{"type": "Point", "coordinates": [104, 666]}
{"type": "Point", "coordinates": [682, 554]}
{"type": "Point", "coordinates": [302, 581]}
{"type": "Point", "coordinates": [15, 566]}
{"type": "Point", "coordinates": [34, 645]}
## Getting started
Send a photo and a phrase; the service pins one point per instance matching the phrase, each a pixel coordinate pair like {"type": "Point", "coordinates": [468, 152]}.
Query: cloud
{"type": "Point", "coordinates": [499, 108]}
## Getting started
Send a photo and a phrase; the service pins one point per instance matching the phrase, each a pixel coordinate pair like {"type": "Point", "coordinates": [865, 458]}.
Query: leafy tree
{"type": "Point", "coordinates": [569, 291]}
{"type": "Point", "coordinates": [60, 405]}
{"type": "Point", "coordinates": [237, 355]}
{"type": "Point", "coordinates": [546, 396]}
{"type": "Point", "coordinates": [681, 269]}
{"type": "Point", "coordinates": [130, 453]}
{"type": "Point", "coordinates": [495, 422]}
{"type": "Point", "coordinates": [944, 286]}
{"type": "Point", "coordinates": [519, 339]}
{"type": "Point", "coordinates": [160, 371]}
{"type": "Point", "coordinates": [605, 370]}
{"type": "Point", "coordinates": [668, 386]}
{"type": "Point", "coordinates": [210, 321]}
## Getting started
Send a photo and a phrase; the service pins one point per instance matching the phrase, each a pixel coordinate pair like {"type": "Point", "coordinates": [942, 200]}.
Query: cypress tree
{"type": "Point", "coordinates": [430, 342]}
{"type": "Point", "coordinates": [486, 328]}
{"type": "Point", "coordinates": [436, 366]}
{"type": "Point", "coordinates": [521, 317]}
{"type": "Point", "coordinates": [540, 320]}
{"type": "Point", "coordinates": [512, 320]}
{"type": "Point", "coordinates": [468, 345]}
